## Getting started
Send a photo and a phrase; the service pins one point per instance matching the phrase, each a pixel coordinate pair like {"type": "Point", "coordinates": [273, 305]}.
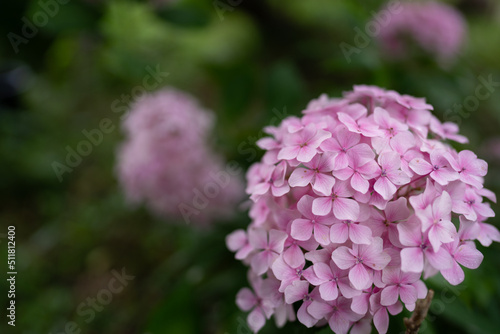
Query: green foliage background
{"type": "Point", "coordinates": [249, 64]}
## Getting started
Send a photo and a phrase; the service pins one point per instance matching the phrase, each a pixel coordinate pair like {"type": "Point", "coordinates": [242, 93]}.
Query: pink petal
{"type": "Point", "coordinates": [346, 138]}
{"type": "Point", "coordinates": [397, 210]}
{"type": "Point", "coordinates": [300, 177]}
{"type": "Point", "coordinates": [361, 153]}
{"type": "Point", "coordinates": [280, 191]}
{"type": "Point", "coordinates": [236, 240]}
{"type": "Point", "coordinates": [484, 210]}
{"type": "Point", "coordinates": [420, 166]}
{"type": "Point", "coordinates": [304, 205]}
{"type": "Point", "coordinates": [381, 320]}
{"type": "Point", "coordinates": [402, 142]}
{"type": "Point", "coordinates": [256, 320]}
{"type": "Point", "coordinates": [243, 252]}
{"type": "Point", "coordinates": [398, 177]}
{"type": "Point", "coordinates": [343, 258]}
{"type": "Point", "coordinates": [318, 138]}
{"type": "Point", "coordinates": [349, 122]}
{"type": "Point", "coordinates": [455, 275]}
{"type": "Point", "coordinates": [322, 234]}
{"type": "Point", "coordinates": [318, 309]}
{"type": "Point", "coordinates": [261, 188]}
{"type": "Point", "coordinates": [343, 174]}
{"type": "Point", "coordinates": [327, 162]}
{"type": "Point", "coordinates": [384, 187]}
{"type": "Point", "coordinates": [444, 175]}
{"type": "Point", "coordinates": [296, 291]}
{"type": "Point", "coordinates": [360, 303]}
{"type": "Point", "coordinates": [389, 160]}
{"type": "Point", "coordinates": [339, 233]}
{"type": "Point", "coordinates": [360, 234]}
{"type": "Point", "coordinates": [339, 324]}
{"type": "Point", "coordinates": [438, 235]}
{"type": "Point", "coordinates": [440, 259]}
{"type": "Point", "coordinates": [324, 183]}
{"type": "Point", "coordinates": [302, 229]}
{"type": "Point", "coordinates": [323, 271]}
{"type": "Point", "coordinates": [322, 206]}
{"type": "Point", "coordinates": [408, 294]}
{"type": "Point", "coordinates": [359, 183]}
{"type": "Point", "coordinates": [257, 238]}
{"type": "Point", "coordinates": [306, 153]}
{"type": "Point", "coordinates": [412, 260]}
{"type": "Point", "coordinates": [261, 262]}
{"type": "Point", "coordinates": [304, 316]}
{"type": "Point", "coordinates": [294, 256]}
{"type": "Point", "coordinates": [245, 299]}
{"type": "Point", "coordinates": [328, 290]}
{"type": "Point", "coordinates": [421, 289]}
{"type": "Point", "coordinates": [359, 276]}
{"type": "Point", "coordinates": [410, 233]}
{"type": "Point", "coordinates": [389, 295]}
{"type": "Point", "coordinates": [468, 256]}
{"type": "Point", "coordinates": [288, 153]}
{"type": "Point", "coordinates": [345, 209]}
{"type": "Point", "coordinates": [488, 234]}
{"type": "Point", "coordinates": [277, 240]}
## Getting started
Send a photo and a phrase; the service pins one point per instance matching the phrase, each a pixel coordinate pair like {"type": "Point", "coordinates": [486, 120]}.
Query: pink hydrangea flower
{"type": "Point", "coordinates": [435, 27]}
{"type": "Point", "coordinates": [166, 163]}
{"type": "Point", "coordinates": [357, 204]}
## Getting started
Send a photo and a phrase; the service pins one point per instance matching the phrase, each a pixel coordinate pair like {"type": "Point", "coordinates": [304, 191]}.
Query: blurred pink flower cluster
{"type": "Point", "coordinates": [355, 203]}
{"type": "Point", "coordinates": [437, 28]}
{"type": "Point", "coordinates": [167, 162]}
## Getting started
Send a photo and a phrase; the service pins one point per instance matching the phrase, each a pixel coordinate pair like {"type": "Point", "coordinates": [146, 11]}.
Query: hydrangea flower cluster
{"type": "Point", "coordinates": [353, 205]}
{"type": "Point", "coordinates": [437, 28]}
{"type": "Point", "coordinates": [167, 163]}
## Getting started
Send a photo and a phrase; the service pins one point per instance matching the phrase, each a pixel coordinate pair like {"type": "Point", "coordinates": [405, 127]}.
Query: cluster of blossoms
{"type": "Point", "coordinates": [355, 203]}
{"type": "Point", "coordinates": [166, 160]}
{"type": "Point", "coordinates": [437, 28]}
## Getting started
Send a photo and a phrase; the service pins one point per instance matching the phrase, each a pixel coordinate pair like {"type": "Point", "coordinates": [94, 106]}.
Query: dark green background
{"type": "Point", "coordinates": [258, 57]}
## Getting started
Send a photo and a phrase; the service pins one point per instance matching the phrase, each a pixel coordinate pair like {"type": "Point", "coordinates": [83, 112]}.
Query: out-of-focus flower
{"type": "Point", "coordinates": [166, 160]}
{"type": "Point", "coordinates": [436, 28]}
{"type": "Point", "coordinates": [374, 198]}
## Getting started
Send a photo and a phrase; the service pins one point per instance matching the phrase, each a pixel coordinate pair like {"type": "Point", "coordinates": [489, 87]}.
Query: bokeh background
{"type": "Point", "coordinates": [251, 62]}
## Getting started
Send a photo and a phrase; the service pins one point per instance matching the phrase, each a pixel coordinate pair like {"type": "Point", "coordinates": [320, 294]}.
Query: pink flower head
{"type": "Point", "coordinates": [361, 260]}
{"type": "Point", "coordinates": [355, 205]}
{"type": "Point", "coordinates": [435, 27]}
{"type": "Point", "coordinates": [166, 162]}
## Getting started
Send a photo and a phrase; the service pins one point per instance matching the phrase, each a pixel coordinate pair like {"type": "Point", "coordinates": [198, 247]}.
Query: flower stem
{"type": "Point", "coordinates": [418, 316]}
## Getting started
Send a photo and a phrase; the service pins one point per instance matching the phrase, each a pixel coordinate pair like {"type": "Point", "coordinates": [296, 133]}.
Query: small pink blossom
{"type": "Point", "coordinates": [361, 260]}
